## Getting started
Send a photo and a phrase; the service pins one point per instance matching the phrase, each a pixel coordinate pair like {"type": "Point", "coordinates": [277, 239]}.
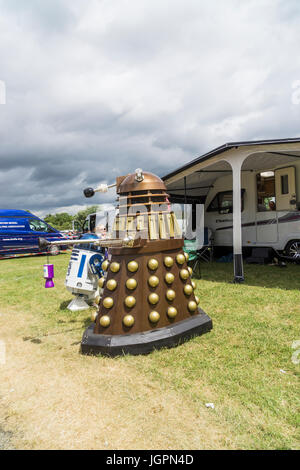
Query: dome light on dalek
{"type": "Point", "coordinates": [153, 264]}
{"type": "Point", "coordinates": [146, 287]}
{"type": "Point", "coordinates": [105, 265]}
{"type": "Point", "coordinates": [188, 289]}
{"type": "Point", "coordinates": [108, 302]}
{"type": "Point", "coordinates": [168, 261]}
{"type": "Point", "coordinates": [184, 274]}
{"type": "Point", "coordinates": [130, 301]}
{"type": "Point", "coordinates": [192, 306]}
{"type": "Point", "coordinates": [104, 321]}
{"type": "Point", "coordinates": [131, 284]}
{"type": "Point", "coordinates": [153, 298]}
{"type": "Point", "coordinates": [115, 267]}
{"type": "Point", "coordinates": [172, 312]}
{"type": "Point", "coordinates": [128, 321]}
{"type": "Point", "coordinates": [169, 278]}
{"type": "Point", "coordinates": [180, 258]}
{"type": "Point", "coordinates": [153, 281]}
{"type": "Point", "coordinates": [111, 284]}
{"type": "Point", "coordinates": [170, 294]}
{"type": "Point", "coordinates": [154, 316]}
{"type": "Point", "coordinates": [132, 266]}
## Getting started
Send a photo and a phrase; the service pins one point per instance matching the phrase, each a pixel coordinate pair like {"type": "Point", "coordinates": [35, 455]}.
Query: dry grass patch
{"type": "Point", "coordinates": [51, 397]}
{"type": "Point", "coordinates": [53, 400]}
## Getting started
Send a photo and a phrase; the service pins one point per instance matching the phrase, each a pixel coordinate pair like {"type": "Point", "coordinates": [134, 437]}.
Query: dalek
{"type": "Point", "coordinates": [147, 297]}
{"type": "Point", "coordinates": [148, 300]}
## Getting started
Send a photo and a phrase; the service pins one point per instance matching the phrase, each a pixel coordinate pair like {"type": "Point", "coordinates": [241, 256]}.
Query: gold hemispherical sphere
{"type": "Point", "coordinates": [190, 270]}
{"type": "Point", "coordinates": [153, 264]}
{"type": "Point", "coordinates": [192, 306]}
{"type": "Point", "coordinates": [94, 316]}
{"type": "Point", "coordinates": [180, 258]}
{"type": "Point", "coordinates": [97, 300]}
{"type": "Point", "coordinates": [153, 298]}
{"type": "Point", "coordinates": [169, 278]}
{"type": "Point", "coordinates": [101, 282]}
{"type": "Point", "coordinates": [153, 281]}
{"type": "Point", "coordinates": [104, 321]}
{"type": "Point", "coordinates": [188, 289]}
{"type": "Point", "coordinates": [111, 284]}
{"type": "Point", "coordinates": [154, 317]}
{"type": "Point", "coordinates": [186, 256]}
{"type": "Point", "coordinates": [172, 312]}
{"type": "Point", "coordinates": [132, 266]}
{"type": "Point", "coordinates": [184, 274]}
{"type": "Point", "coordinates": [197, 299]}
{"type": "Point", "coordinates": [115, 267]}
{"type": "Point", "coordinates": [128, 320]}
{"type": "Point", "coordinates": [130, 301]}
{"type": "Point", "coordinates": [131, 283]}
{"type": "Point", "coordinates": [168, 261]}
{"type": "Point", "coordinates": [170, 294]}
{"type": "Point", "coordinates": [108, 302]}
{"type": "Point", "coordinates": [193, 284]}
{"type": "Point", "coordinates": [105, 265]}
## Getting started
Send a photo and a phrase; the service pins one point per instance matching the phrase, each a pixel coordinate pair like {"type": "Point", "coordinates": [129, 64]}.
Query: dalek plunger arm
{"type": "Point", "coordinates": [114, 242]}
{"type": "Point", "coordinates": [102, 188]}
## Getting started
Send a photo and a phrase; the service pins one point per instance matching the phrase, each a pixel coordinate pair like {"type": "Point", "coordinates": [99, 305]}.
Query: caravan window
{"type": "Point", "coordinates": [223, 202]}
{"type": "Point", "coordinates": [265, 183]}
{"type": "Point", "coordinates": [284, 184]}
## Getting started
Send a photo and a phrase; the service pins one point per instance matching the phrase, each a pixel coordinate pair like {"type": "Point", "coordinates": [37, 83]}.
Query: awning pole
{"type": "Point", "coordinates": [237, 222]}
{"type": "Point", "coordinates": [185, 208]}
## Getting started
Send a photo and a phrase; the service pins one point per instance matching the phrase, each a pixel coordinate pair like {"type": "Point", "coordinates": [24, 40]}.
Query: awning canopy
{"type": "Point", "coordinates": [194, 180]}
{"type": "Point", "coordinates": [199, 175]}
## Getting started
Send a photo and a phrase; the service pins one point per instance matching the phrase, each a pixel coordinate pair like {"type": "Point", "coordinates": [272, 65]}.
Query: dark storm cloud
{"type": "Point", "coordinates": [96, 89]}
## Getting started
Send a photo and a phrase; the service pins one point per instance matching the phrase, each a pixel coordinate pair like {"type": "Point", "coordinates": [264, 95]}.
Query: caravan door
{"type": "Point", "coordinates": [285, 184]}
{"type": "Point", "coordinates": [266, 213]}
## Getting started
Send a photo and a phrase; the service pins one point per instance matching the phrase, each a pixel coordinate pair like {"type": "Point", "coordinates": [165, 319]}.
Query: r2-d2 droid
{"type": "Point", "coordinates": [83, 274]}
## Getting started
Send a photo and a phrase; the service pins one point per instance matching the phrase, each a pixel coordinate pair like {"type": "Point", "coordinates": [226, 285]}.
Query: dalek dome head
{"type": "Point", "coordinates": [144, 209]}
{"type": "Point", "coordinates": [139, 181]}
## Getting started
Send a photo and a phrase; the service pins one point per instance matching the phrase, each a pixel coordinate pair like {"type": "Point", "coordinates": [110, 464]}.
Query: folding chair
{"type": "Point", "coordinates": [205, 253]}
{"type": "Point", "coordinates": [190, 247]}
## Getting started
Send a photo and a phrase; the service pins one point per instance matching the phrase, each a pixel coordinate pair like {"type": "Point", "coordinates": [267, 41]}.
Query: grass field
{"type": "Point", "coordinates": [51, 397]}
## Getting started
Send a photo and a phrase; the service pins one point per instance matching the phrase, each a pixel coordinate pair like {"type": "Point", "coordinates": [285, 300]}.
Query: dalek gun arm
{"type": "Point", "coordinates": [107, 243]}
{"type": "Point", "coordinates": [102, 188]}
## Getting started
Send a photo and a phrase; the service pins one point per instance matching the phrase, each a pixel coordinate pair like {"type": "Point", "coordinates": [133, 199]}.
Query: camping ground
{"type": "Point", "coordinates": [51, 397]}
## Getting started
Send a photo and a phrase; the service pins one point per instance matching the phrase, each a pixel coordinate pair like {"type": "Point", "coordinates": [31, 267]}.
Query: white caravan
{"type": "Point", "coordinates": [270, 209]}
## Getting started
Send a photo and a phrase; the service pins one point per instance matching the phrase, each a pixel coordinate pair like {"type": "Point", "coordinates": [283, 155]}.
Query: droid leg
{"type": "Point", "coordinates": [78, 303]}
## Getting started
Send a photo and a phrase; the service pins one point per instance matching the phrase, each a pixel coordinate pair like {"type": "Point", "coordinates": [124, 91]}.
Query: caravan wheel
{"type": "Point", "coordinates": [293, 249]}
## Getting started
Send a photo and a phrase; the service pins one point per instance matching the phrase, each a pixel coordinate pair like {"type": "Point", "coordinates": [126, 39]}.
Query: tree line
{"type": "Point", "coordinates": [64, 221]}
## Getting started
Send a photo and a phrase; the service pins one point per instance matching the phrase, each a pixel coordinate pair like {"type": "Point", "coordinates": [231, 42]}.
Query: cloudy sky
{"type": "Point", "coordinates": [96, 89]}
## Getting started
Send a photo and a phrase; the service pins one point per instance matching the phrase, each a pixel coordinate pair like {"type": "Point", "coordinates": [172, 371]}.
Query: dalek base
{"type": "Point", "coordinates": [145, 342]}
